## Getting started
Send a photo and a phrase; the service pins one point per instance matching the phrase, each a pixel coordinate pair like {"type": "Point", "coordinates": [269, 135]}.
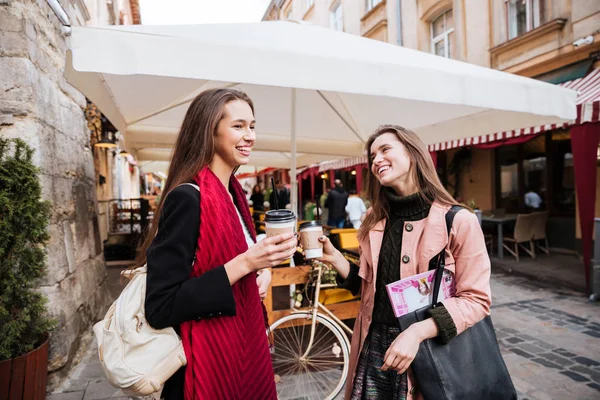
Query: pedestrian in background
{"type": "Point", "coordinates": [356, 209]}
{"type": "Point", "coordinates": [533, 200]}
{"type": "Point", "coordinates": [258, 199]}
{"type": "Point", "coordinates": [336, 204]}
{"type": "Point", "coordinates": [283, 196]}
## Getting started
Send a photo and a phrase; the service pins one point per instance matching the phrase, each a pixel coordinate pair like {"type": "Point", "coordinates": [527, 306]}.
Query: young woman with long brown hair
{"type": "Point", "coordinates": [403, 230]}
{"type": "Point", "coordinates": [203, 260]}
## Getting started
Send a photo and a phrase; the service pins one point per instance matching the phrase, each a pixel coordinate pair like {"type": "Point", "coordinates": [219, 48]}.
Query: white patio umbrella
{"type": "Point", "coordinates": [318, 93]}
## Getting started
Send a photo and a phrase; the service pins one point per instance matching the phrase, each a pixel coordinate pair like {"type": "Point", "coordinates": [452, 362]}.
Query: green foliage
{"type": "Point", "coordinates": [24, 220]}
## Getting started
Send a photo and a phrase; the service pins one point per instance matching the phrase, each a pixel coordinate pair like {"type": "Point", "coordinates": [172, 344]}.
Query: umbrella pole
{"type": "Point", "coordinates": [294, 192]}
{"type": "Point", "coordinates": [294, 179]}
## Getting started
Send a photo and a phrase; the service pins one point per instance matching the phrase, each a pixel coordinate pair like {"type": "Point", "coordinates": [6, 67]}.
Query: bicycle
{"type": "Point", "coordinates": [311, 364]}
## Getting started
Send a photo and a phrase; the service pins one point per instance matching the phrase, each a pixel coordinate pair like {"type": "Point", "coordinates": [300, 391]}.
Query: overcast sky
{"type": "Point", "coordinates": [178, 12]}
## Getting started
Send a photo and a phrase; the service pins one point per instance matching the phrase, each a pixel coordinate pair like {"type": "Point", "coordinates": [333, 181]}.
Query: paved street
{"type": "Point", "coordinates": [550, 339]}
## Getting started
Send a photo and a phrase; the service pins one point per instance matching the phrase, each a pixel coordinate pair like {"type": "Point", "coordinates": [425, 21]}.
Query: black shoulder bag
{"type": "Point", "coordinates": [470, 366]}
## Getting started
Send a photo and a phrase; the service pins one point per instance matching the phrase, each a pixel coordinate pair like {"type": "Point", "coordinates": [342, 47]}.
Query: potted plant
{"type": "Point", "coordinates": [24, 328]}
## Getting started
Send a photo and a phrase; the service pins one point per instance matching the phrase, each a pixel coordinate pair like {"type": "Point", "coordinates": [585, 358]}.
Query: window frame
{"type": "Point", "coordinates": [530, 23]}
{"type": "Point", "coordinates": [444, 36]}
{"type": "Point", "coordinates": [332, 16]}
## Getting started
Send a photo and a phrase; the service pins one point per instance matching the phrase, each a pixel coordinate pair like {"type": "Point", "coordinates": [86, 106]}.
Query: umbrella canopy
{"type": "Point", "coordinates": [318, 93]}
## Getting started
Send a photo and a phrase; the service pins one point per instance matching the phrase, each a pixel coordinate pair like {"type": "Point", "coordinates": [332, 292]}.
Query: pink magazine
{"type": "Point", "coordinates": [410, 294]}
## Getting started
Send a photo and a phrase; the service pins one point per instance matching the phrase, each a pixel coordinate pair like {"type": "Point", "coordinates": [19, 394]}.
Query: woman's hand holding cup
{"type": "Point", "coordinates": [334, 257]}
{"type": "Point", "coordinates": [271, 251]}
{"type": "Point", "coordinates": [267, 253]}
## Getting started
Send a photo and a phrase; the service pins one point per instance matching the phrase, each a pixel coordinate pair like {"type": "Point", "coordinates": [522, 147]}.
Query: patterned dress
{"type": "Point", "coordinates": [371, 383]}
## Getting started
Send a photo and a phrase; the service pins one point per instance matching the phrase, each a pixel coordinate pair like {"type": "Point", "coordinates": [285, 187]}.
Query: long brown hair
{"type": "Point", "coordinates": [423, 172]}
{"type": "Point", "coordinates": [194, 148]}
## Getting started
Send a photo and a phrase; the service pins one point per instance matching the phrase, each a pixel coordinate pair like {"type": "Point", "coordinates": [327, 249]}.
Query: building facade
{"type": "Point", "coordinates": [39, 106]}
{"type": "Point", "coordinates": [556, 41]}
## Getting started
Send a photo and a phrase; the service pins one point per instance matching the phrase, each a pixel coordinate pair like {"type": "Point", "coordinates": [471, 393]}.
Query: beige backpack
{"type": "Point", "coordinates": [136, 358]}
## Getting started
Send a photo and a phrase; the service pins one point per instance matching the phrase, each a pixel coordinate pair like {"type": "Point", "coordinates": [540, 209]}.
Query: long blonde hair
{"type": "Point", "coordinates": [423, 172]}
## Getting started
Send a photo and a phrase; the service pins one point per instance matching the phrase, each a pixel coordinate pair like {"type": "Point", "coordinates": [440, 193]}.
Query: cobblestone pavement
{"type": "Point", "coordinates": [550, 339]}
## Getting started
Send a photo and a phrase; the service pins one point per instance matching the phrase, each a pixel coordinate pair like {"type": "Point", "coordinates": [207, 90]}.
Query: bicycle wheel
{"type": "Point", "coordinates": [322, 373]}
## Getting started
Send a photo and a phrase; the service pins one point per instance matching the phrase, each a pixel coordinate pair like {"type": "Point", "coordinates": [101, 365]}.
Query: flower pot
{"type": "Point", "coordinates": [24, 377]}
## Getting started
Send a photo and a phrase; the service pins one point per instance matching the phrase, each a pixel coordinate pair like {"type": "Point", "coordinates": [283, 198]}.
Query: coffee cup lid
{"type": "Point", "coordinates": [310, 224]}
{"type": "Point", "coordinates": [279, 216]}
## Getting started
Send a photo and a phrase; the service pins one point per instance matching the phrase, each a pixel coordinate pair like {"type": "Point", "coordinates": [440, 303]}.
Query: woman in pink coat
{"type": "Point", "coordinates": [403, 230]}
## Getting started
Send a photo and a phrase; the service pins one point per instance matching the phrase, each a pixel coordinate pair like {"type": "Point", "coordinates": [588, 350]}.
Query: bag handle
{"type": "Point", "coordinates": [441, 258]}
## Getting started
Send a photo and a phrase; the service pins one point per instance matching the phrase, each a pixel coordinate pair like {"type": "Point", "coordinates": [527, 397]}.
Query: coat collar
{"type": "Point", "coordinates": [435, 235]}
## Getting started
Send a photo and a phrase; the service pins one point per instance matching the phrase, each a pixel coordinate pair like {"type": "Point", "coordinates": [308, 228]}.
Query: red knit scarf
{"type": "Point", "coordinates": [228, 357]}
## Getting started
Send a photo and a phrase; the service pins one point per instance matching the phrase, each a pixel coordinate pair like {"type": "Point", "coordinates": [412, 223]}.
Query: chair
{"type": "Point", "coordinates": [539, 231]}
{"type": "Point", "coordinates": [348, 238]}
{"type": "Point", "coordinates": [260, 222]}
{"type": "Point", "coordinates": [523, 233]}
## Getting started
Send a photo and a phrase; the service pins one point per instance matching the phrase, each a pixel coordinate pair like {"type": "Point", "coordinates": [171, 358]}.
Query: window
{"type": "Point", "coordinates": [371, 4]}
{"type": "Point", "coordinates": [523, 16]}
{"type": "Point", "coordinates": [523, 168]}
{"type": "Point", "coordinates": [442, 35]}
{"type": "Point", "coordinates": [336, 17]}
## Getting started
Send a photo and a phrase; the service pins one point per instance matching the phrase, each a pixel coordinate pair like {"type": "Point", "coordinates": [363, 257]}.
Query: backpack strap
{"type": "Point", "coordinates": [192, 185]}
{"type": "Point", "coordinates": [450, 218]}
{"type": "Point", "coordinates": [440, 260]}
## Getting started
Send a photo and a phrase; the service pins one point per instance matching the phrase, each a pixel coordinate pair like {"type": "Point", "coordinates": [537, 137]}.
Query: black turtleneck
{"type": "Point", "coordinates": [402, 209]}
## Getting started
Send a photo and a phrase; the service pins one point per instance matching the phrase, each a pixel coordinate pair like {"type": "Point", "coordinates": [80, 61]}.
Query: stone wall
{"type": "Point", "coordinates": [39, 106]}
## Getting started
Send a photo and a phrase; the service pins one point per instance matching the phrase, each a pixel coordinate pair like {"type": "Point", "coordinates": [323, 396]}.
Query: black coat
{"type": "Point", "coordinates": [283, 199]}
{"type": "Point", "coordinates": [336, 203]}
{"type": "Point", "coordinates": [258, 200]}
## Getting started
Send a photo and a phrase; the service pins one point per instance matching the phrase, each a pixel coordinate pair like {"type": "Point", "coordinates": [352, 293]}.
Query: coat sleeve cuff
{"type": "Point", "coordinates": [216, 294]}
{"type": "Point", "coordinates": [352, 281]}
{"type": "Point", "coordinates": [444, 322]}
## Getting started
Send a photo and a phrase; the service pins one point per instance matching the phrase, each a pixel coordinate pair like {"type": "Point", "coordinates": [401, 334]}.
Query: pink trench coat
{"type": "Point", "coordinates": [466, 256]}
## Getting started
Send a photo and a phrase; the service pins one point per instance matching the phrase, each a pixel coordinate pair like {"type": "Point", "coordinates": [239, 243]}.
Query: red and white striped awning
{"type": "Point", "coordinates": [588, 110]}
{"type": "Point", "coordinates": [339, 164]}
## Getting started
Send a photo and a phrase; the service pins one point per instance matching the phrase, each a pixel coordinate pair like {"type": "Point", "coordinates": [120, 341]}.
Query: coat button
{"type": "Point", "coordinates": [405, 259]}
{"type": "Point", "coordinates": [409, 227]}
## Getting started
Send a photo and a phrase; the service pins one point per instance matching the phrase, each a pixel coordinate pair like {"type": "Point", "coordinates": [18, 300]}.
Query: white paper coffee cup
{"type": "Point", "coordinates": [310, 232]}
{"type": "Point", "coordinates": [278, 222]}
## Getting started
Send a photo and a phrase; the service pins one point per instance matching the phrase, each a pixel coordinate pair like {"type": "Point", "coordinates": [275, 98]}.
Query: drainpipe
{"type": "Point", "coordinates": [62, 16]}
{"type": "Point", "coordinates": [399, 22]}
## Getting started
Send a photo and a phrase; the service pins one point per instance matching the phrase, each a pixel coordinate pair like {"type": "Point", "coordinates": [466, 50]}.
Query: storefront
{"type": "Point", "coordinates": [557, 163]}
{"type": "Point", "coordinates": [497, 172]}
